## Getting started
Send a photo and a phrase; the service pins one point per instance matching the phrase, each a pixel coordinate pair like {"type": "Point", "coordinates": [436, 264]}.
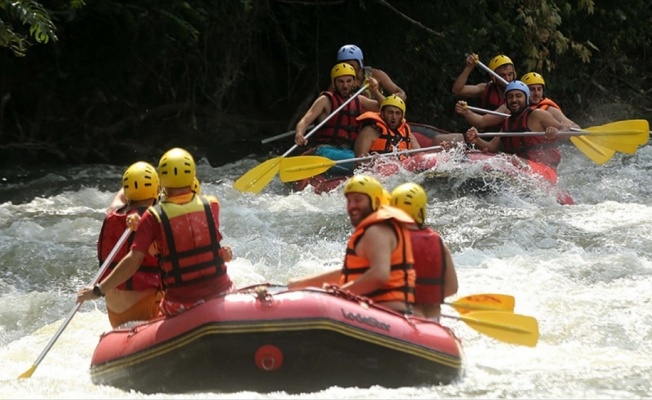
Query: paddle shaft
{"type": "Point", "coordinates": [281, 136]}
{"type": "Point", "coordinates": [493, 73]}
{"type": "Point", "coordinates": [365, 158]}
{"type": "Point", "coordinates": [72, 312]}
{"type": "Point", "coordinates": [484, 111]}
{"type": "Point", "coordinates": [319, 125]}
{"type": "Point", "coordinates": [569, 133]}
{"type": "Point", "coordinates": [260, 176]}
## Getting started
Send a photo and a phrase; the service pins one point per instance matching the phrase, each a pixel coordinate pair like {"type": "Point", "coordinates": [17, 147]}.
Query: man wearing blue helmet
{"type": "Point", "coordinates": [535, 83]}
{"type": "Point", "coordinates": [351, 54]}
{"type": "Point", "coordinates": [540, 149]}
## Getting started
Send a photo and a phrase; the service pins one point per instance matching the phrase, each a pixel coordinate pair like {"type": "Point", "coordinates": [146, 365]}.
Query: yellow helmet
{"type": "Point", "coordinates": [140, 182]}
{"type": "Point", "coordinates": [196, 187]}
{"type": "Point", "coordinates": [532, 78]}
{"type": "Point", "coordinates": [395, 101]}
{"type": "Point", "coordinates": [366, 185]}
{"type": "Point", "coordinates": [176, 169]}
{"type": "Point", "coordinates": [499, 61]}
{"type": "Point", "coordinates": [411, 198]}
{"type": "Point", "coordinates": [387, 198]}
{"type": "Point", "coordinates": [341, 69]}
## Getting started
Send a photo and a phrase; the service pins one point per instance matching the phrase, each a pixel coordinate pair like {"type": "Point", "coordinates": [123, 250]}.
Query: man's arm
{"type": "Point", "coordinates": [123, 271]}
{"type": "Point", "coordinates": [332, 277]}
{"type": "Point", "coordinates": [364, 140]}
{"type": "Point", "coordinates": [119, 201]}
{"type": "Point", "coordinates": [371, 104]}
{"type": "Point", "coordinates": [376, 245]}
{"type": "Point", "coordinates": [386, 82]}
{"type": "Point", "coordinates": [539, 120]}
{"type": "Point", "coordinates": [559, 116]}
{"type": "Point", "coordinates": [460, 88]}
{"type": "Point", "coordinates": [450, 275]}
{"type": "Point", "coordinates": [477, 120]}
{"type": "Point", "coordinates": [491, 146]}
{"type": "Point", "coordinates": [321, 106]}
{"type": "Point", "coordinates": [413, 141]}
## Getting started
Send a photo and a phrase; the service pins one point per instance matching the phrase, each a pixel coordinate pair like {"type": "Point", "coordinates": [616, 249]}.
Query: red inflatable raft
{"type": "Point", "coordinates": [266, 338]}
{"type": "Point", "coordinates": [476, 169]}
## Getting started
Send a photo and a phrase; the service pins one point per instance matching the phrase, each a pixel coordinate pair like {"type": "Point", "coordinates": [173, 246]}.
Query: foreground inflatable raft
{"type": "Point", "coordinates": [266, 338]}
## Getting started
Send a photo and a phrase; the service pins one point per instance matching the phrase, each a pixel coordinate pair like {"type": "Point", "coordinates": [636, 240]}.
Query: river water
{"type": "Point", "coordinates": [584, 271]}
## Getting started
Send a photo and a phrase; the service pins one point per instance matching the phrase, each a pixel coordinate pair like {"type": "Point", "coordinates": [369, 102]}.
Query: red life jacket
{"type": "Point", "coordinates": [545, 103]}
{"type": "Point", "coordinates": [491, 97]}
{"type": "Point", "coordinates": [190, 244]}
{"type": "Point", "coordinates": [388, 141]}
{"type": "Point", "coordinates": [148, 274]}
{"type": "Point", "coordinates": [534, 148]}
{"type": "Point", "coordinates": [491, 100]}
{"type": "Point", "coordinates": [400, 286]}
{"type": "Point", "coordinates": [430, 266]}
{"type": "Point", "coordinates": [342, 128]}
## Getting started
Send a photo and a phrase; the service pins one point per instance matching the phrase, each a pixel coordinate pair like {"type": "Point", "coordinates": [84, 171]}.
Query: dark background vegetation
{"type": "Point", "coordinates": [115, 81]}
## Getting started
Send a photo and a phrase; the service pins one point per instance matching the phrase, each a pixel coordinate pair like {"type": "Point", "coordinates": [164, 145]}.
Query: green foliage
{"type": "Point", "coordinates": [24, 12]}
{"type": "Point", "coordinates": [208, 72]}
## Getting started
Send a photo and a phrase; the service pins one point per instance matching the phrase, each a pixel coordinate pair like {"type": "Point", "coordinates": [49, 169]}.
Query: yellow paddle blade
{"type": "Point", "coordinates": [633, 131]}
{"type": "Point", "coordinates": [503, 326]}
{"type": "Point", "coordinates": [606, 141]}
{"type": "Point", "coordinates": [28, 373]}
{"type": "Point", "coordinates": [258, 177]}
{"type": "Point", "coordinates": [303, 167]}
{"type": "Point", "coordinates": [484, 301]}
{"type": "Point", "coordinates": [598, 154]}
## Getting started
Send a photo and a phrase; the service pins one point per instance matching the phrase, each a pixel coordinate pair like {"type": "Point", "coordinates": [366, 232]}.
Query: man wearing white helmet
{"type": "Point", "coordinates": [540, 149]}
{"type": "Point", "coordinates": [352, 54]}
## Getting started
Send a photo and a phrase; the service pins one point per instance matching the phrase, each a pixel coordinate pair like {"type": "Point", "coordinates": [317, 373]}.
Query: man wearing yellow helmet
{"type": "Point", "coordinates": [137, 298]}
{"type": "Point", "coordinates": [385, 131]}
{"type": "Point", "coordinates": [336, 137]}
{"type": "Point", "coordinates": [185, 230]}
{"type": "Point", "coordinates": [352, 54]}
{"type": "Point", "coordinates": [492, 92]}
{"type": "Point", "coordinates": [341, 128]}
{"type": "Point", "coordinates": [536, 84]}
{"type": "Point", "coordinates": [433, 263]}
{"type": "Point", "coordinates": [378, 261]}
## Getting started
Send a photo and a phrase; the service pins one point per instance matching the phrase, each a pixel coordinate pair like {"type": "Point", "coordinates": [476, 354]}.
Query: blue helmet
{"type": "Point", "coordinates": [518, 85]}
{"type": "Point", "coordinates": [350, 52]}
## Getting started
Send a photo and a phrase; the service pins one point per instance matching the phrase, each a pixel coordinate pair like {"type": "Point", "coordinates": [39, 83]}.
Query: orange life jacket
{"type": "Point", "coordinates": [342, 128]}
{"type": "Point", "coordinates": [189, 234]}
{"type": "Point", "coordinates": [429, 265]}
{"type": "Point", "coordinates": [545, 103]}
{"type": "Point", "coordinates": [148, 274]}
{"type": "Point", "coordinates": [534, 148]}
{"type": "Point", "coordinates": [388, 141]}
{"type": "Point", "coordinates": [400, 286]}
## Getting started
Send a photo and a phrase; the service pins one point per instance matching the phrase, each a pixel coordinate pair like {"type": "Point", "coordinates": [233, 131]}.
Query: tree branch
{"type": "Point", "coordinates": [405, 17]}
